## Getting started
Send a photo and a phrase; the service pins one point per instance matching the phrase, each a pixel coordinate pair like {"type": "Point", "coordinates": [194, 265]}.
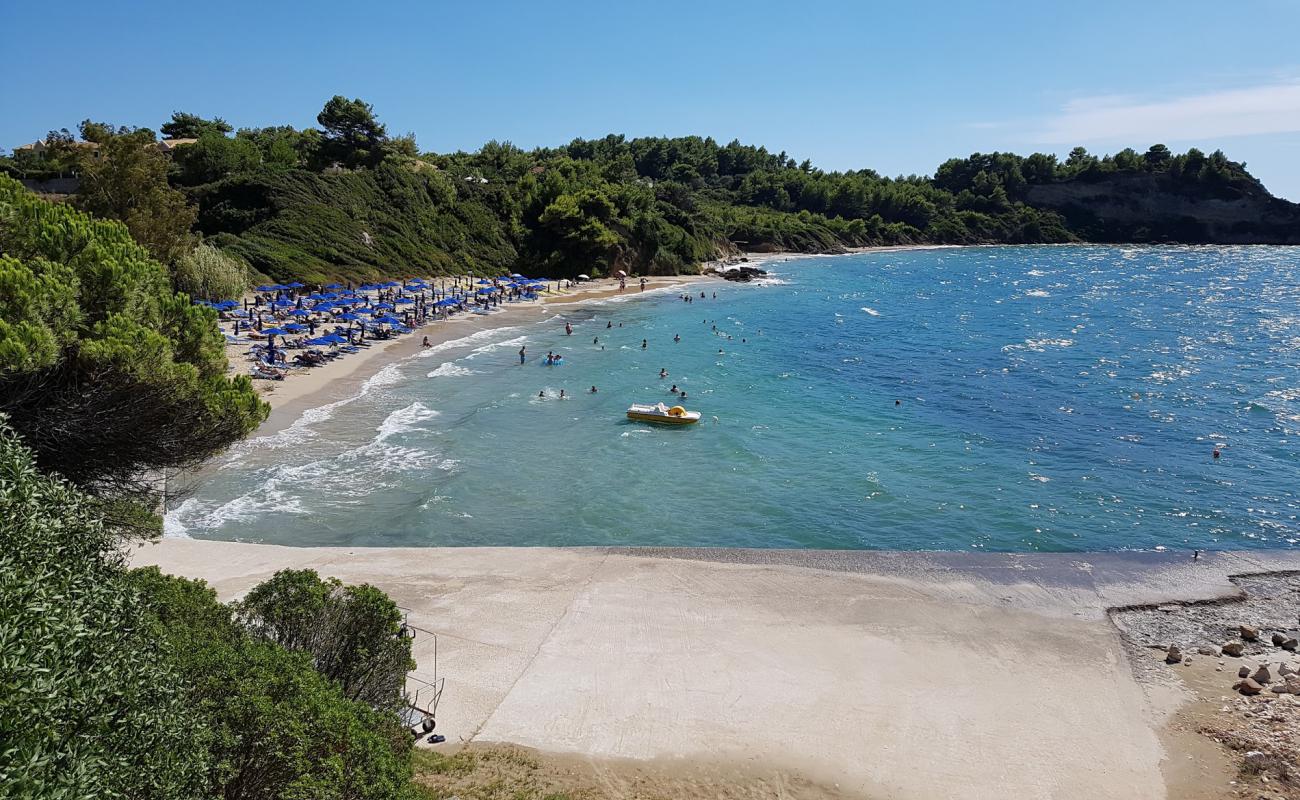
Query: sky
{"type": "Point", "coordinates": [895, 86]}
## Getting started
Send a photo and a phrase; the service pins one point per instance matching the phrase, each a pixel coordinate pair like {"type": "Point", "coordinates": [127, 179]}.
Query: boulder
{"type": "Point", "coordinates": [1247, 686]}
{"type": "Point", "coordinates": [1248, 633]}
{"type": "Point", "coordinates": [1244, 672]}
{"type": "Point", "coordinates": [1234, 649]}
{"type": "Point", "coordinates": [1289, 686]}
{"type": "Point", "coordinates": [1174, 655]}
{"type": "Point", "coordinates": [1278, 638]}
{"type": "Point", "coordinates": [1289, 643]}
{"type": "Point", "coordinates": [1262, 676]}
{"type": "Point", "coordinates": [1286, 669]}
{"type": "Point", "coordinates": [1205, 650]}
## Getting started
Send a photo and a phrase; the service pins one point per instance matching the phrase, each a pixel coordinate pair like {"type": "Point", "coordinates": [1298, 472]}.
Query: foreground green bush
{"type": "Point", "coordinates": [89, 705]}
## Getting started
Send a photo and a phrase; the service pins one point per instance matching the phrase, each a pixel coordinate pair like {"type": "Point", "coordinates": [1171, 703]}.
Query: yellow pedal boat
{"type": "Point", "coordinates": [662, 414]}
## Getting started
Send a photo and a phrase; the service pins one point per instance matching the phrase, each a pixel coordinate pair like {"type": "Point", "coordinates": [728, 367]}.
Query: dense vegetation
{"type": "Point", "coordinates": [105, 372]}
{"type": "Point", "coordinates": [350, 201]}
{"type": "Point", "coordinates": [137, 685]}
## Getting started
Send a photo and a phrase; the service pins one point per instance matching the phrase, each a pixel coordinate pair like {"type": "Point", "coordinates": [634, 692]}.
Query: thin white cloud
{"type": "Point", "coordinates": [1272, 108]}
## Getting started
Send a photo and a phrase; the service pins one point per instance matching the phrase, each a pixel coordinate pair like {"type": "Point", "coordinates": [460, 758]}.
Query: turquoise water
{"type": "Point", "coordinates": [1048, 398]}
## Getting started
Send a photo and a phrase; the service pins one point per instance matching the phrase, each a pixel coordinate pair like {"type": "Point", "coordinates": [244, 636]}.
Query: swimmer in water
{"type": "Point", "coordinates": [719, 351]}
{"type": "Point", "coordinates": [644, 344]}
{"type": "Point", "coordinates": [898, 402]}
{"type": "Point", "coordinates": [541, 395]}
{"type": "Point", "coordinates": [593, 390]}
{"type": "Point", "coordinates": [674, 389]}
{"type": "Point", "coordinates": [561, 394]}
{"type": "Point", "coordinates": [683, 394]}
{"type": "Point", "coordinates": [609, 325]}
{"type": "Point", "coordinates": [596, 340]}
{"type": "Point", "coordinates": [677, 337]}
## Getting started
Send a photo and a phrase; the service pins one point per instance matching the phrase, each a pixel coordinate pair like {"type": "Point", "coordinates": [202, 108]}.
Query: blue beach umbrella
{"type": "Point", "coordinates": [300, 312]}
{"type": "Point", "coordinates": [334, 286]}
{"type": "Point", "coordinates": [266, 288]}
{"type": "Point", "coordinates": [274, 332]}
{"type": "Point", "coordinates": [294, 285]}
{"type": "Point", "coordinates": [383, 306]}
{"type": "Point", "coordinates": [403, 301]}
{"type": "Point", "coordinates": [349, 316]}
{"type": "Point", "coordinates": [295, 327]}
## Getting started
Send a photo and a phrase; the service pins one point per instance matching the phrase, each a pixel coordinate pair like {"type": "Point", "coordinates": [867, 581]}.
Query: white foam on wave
{"type": "Point", "coordinates": [450, 369]}
{"type": "Point", "coordinates": [343, 477]}
{"type": "Point", "coordinates": [1038, 293]}
{"type": "Point", "coordinates": [871, 311]}
{"type": "Point", "coordinates": [630, 295]}
{"type": "Point", "coordinates": [494, 346]}
{"type": "Point", "coordinates": [301, 429]}
{"type": "Point", "coordinates": [465, 341]}
{"type": "Point", "coordinates": [1037, 345]}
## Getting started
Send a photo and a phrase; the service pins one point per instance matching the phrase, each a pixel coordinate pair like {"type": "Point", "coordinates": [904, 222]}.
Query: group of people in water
{"type": "Point", "coordinates": [554, 359]}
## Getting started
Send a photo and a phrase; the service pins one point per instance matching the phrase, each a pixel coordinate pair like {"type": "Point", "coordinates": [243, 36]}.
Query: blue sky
{"type": "Point", "coordinates": [895, 86]}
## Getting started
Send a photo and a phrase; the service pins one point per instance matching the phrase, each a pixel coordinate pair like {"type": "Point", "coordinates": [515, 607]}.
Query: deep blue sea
{"type": "Point", "coordinates": [1001, 398]}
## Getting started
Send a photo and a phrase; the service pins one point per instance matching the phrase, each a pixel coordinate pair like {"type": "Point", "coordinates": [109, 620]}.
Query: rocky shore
{"type": "Point", "coordinates": [1237, 658]}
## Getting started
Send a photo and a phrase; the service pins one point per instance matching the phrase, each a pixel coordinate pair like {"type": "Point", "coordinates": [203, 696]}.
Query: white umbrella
{"type": "Point", "coordinates": [584, 277]}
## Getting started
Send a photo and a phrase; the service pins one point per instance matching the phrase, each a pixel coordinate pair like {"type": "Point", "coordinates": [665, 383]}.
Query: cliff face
{"type": "Point", "coordinates": [1156, 207]}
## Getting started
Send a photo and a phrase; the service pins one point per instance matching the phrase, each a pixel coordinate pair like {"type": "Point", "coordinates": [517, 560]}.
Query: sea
{"type": "Point", "coordinates": [1037, 398]}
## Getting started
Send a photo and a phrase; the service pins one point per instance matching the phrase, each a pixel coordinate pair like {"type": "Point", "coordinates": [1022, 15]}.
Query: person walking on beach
{"type": "Point", "coordinates": [643, 284]}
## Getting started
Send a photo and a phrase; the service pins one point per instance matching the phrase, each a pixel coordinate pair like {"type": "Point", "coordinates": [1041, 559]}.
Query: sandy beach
{"type": "Point", "coordinates": [357, 367]}
{"type": "Point", "coordinates": [856, 674]}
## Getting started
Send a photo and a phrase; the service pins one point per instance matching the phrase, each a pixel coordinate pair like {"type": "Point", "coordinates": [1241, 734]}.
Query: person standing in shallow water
{"type": "Point", "coordinates": [521, 354]}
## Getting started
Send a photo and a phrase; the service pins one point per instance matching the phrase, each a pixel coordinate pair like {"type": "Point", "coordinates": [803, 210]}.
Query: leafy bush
{"type": "Point", "coordinates": [279, 728]}
{"type": "Point", "coordinates": [208, 273]}
{"type": "Point", "coordinates": [88, 705]}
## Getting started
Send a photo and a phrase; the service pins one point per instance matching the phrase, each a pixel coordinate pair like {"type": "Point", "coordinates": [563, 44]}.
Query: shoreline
{"type": "Point", "coordinates": [827, 668]}
{"type": "Point", "coordinates": [333, 381]}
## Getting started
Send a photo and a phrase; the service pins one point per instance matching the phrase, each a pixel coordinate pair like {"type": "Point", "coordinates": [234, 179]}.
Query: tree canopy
{"type": "Point", "coordinates": [106, 373]}
{"type": "Point", "coordinates": [191, 126]}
